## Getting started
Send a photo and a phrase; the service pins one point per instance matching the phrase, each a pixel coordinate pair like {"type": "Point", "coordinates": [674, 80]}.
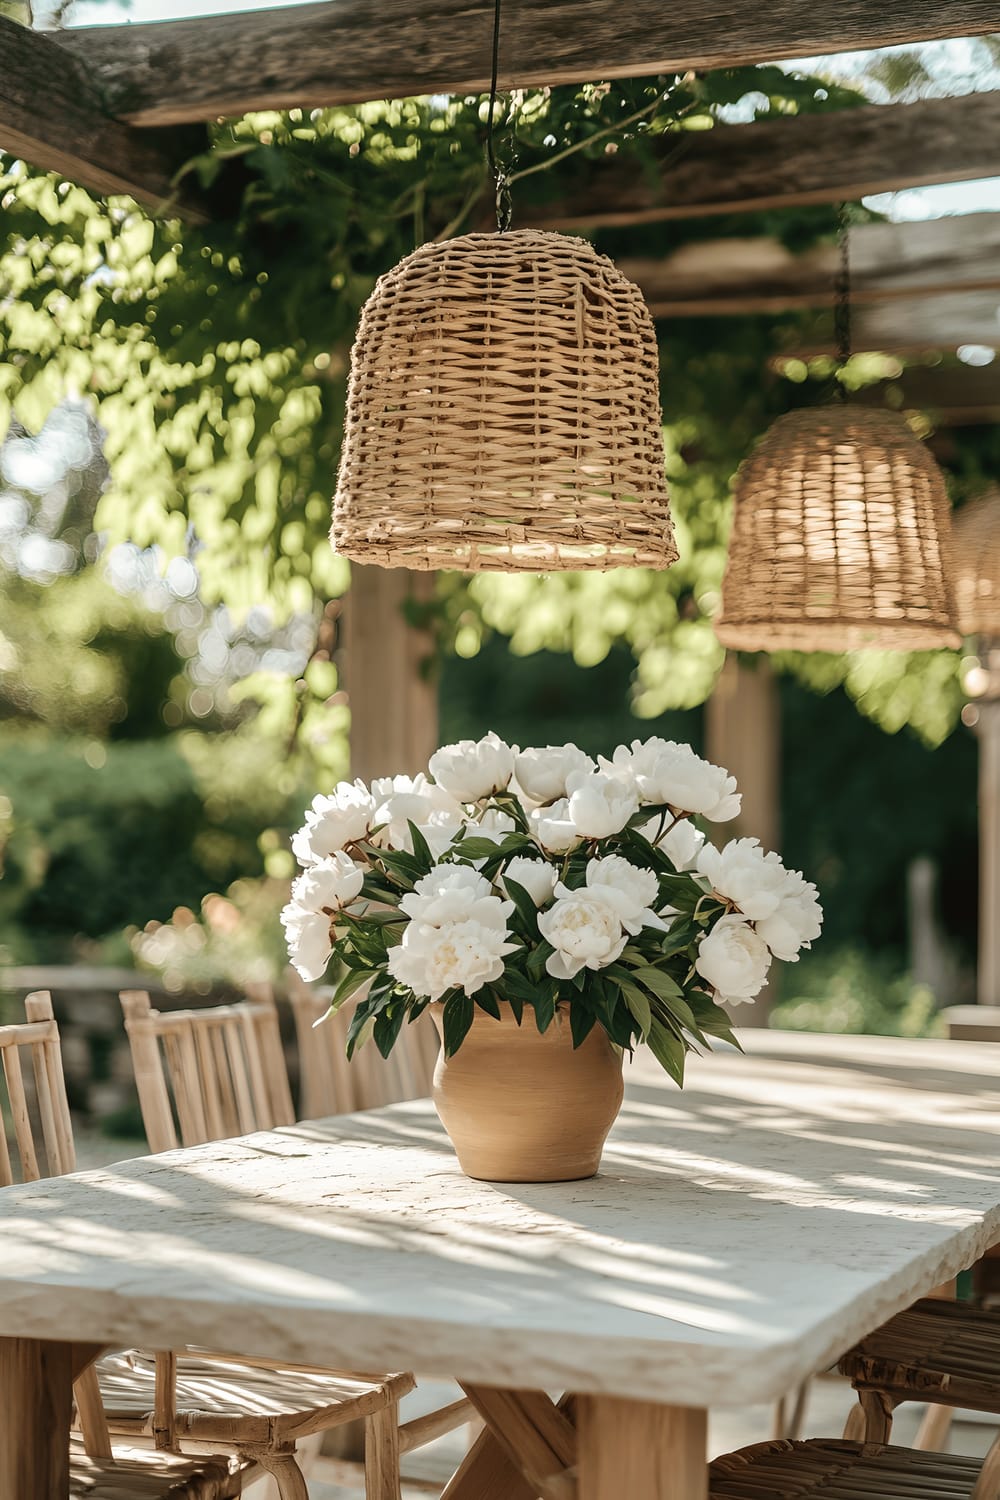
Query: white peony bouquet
{"type": "Point", "coordinates": [540, 878]}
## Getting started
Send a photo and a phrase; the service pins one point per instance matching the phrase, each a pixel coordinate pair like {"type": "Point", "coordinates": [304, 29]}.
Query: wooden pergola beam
{"type": "Point", "coordinates": [911, 325]}
{"type": "Point", "coordinates": [795, 159]}
{"type": "Point", "coordinates": [51, 116]}
{"type": "Point", "coordinates": [951, 395]}
{"type": "Point", "coordinates": [760, 275]}
{"type": "Point", "coordinates": [354, 50]}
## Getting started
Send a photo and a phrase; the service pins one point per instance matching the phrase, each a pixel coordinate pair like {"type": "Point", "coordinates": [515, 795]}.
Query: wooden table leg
{"type": "Point", "coordinates": [640, 1449]}
{"type": "Point", "coordinates": [36, 1405]}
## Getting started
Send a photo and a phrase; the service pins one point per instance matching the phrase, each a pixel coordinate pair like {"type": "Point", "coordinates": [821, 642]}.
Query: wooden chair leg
{"type": "Point", "coordinates": [932, 1434]}
{"type": "Point", "coordinates": [285, 1472]}
{"type": "Point", "coordinates": [854, 1427]}
{"type": "Point", "coordinates": [382, 1454]}
{"type": "Point", "coordinates": [878, 1409]}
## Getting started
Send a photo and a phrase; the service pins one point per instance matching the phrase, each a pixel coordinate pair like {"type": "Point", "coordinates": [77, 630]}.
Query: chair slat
{"type": "Point", "coordinates": [19, 1114]}
{"type": "Point", "coordinates": [233, 1036]}
{"type": "Point", "coordinates": [210, 1079]}
{"type": "Point", "coordinates": [154, 1099]}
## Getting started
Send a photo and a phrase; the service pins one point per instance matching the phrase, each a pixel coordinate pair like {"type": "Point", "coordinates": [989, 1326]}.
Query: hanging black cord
{"type": "Point", "coordinates": [501, 184]}
{"type": "Point", "coordinates": [842, 295]}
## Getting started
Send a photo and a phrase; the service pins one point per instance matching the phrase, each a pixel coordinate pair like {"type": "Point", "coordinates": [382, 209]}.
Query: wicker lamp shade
{"type": "Point", "coordinates": [841, 539]}
{"type": "Point", "coordinates": [503, 413]}
{"type": "Point", "coordinates": [977, 565]}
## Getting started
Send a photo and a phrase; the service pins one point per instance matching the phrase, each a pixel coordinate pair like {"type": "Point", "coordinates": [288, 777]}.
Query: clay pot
{"type": "Point", "coordinates": [524, 1106]}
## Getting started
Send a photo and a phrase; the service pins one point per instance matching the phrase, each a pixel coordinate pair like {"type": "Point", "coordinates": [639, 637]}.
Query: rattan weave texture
{"type": "Point", "coordinates": [841, 539]}
{"type": "Point", "coordinates": [977, 564]}
{"type": "Point", "coordinates": [503, 413]}
{"type": "Point", "coordinates": [934, 1351]}
{"type": "Point", "coordinates": [837, 1470]}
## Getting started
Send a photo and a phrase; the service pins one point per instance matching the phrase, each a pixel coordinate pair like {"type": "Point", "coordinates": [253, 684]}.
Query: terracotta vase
{"type": "Point", "coordinates": [524, 1106]}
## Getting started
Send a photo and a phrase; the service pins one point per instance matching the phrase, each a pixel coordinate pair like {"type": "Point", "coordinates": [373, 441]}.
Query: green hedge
{"type": "Point", "coordinates": [96, 837]}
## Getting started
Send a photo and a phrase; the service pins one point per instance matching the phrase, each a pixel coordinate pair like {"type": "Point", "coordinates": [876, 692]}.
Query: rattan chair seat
{"type": "Point", "coordinates": [833, 1469]}
{"type": "Point", "coordinates": [934, 1351]}
{"type": "Point", "coordinates": [214, 1396]}
{"type": "Point", "coordinates": [141, 1474]}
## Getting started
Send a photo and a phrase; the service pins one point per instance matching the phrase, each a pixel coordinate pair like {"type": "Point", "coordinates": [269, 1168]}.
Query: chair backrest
{"type": "Point", "coordinates": [203, 1075]}
{"type": "Point", "coordinates": [329, 1084]}
{"type": "Point", "coordinates": [40, 1096]}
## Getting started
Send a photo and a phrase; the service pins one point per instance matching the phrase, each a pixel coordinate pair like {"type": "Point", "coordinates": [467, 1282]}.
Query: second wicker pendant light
{"type": "Point", "coordinates": [841, 539]}
{"type": "Point", "coordinates": [841, 532]}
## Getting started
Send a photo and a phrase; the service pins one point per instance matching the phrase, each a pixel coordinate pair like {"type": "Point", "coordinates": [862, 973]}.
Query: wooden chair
{"type": "Point", "coordinates": [328, 1083]}
{"type": "Point", "coordinates": [95, 1471]}
{"type": "Point", "coordinates": [835, 1469]}
{"type": "Point", "coordinates": [944, 1353]}
{"type": "Point", "coordinates": [205, 1075]}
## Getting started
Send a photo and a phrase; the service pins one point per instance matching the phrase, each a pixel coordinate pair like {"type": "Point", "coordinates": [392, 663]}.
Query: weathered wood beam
{"type": "Point", "coordinates": [353, 50]}
{"type": "Point", "coordinates": [795, 159]}
{"type": "Point", "coordinates": [911, 325]}
{"type": "Point", "coordinates": [952, 395]}
{"type": "Point", "coordinates": [52, 117]}
{"type": "Point", "coordinates": [727, 276]}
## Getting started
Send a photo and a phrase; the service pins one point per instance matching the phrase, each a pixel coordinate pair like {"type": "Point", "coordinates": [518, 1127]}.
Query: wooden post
{"type": "Point", "coordinates": [743, 733]}
{"type": "Point", "coordinates": [988, 972]}
{"type": "Point", "coordinates": [36, 1400]}
{"type": "Point", "coordinates": [640, 1449]}
{"type": "Point", "coordinates": [388, 667]}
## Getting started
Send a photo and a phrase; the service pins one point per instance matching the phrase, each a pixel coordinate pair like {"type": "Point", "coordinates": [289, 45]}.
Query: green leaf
{"type": "Point", "coordinates": [524, 906]}
{"type": "Point", "coordinates": [459, 1009]}
{"type": "Point", "coordinates": [668, 1051]}
{"type": "Point", "coordinates": [352, 981]}
{"type": "Point", "coordinates": [658, 982]}
{"type": "Point", "coordinates": [421, 850]}
{"type": "Point", "coordinates": [545, 1009]}
{"type": "Point", "coordinates": [488, 1003]}
{"type": "Point", "coordinates": [387, 1027]}
{"type": "Point", "coordinates": [581, 1023]}
{"type": "Point", "coordinates": [638, 1005]}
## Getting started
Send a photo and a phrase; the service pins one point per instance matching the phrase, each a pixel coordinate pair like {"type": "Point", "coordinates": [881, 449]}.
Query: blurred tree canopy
{"type": "Point", "coordinates": [215, 360]}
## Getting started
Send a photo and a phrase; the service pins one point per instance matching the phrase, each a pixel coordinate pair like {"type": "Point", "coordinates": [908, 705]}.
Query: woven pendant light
{"type": "Point", "coordinates": [841, 539]}
{"type": "Point", "coordinates": [503, 413]}
{"type": "Point", "coordinates": [977, 565]}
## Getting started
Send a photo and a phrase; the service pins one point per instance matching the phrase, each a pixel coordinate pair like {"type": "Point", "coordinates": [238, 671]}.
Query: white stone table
{"type": "Point", "coordinates": [742, 1234]}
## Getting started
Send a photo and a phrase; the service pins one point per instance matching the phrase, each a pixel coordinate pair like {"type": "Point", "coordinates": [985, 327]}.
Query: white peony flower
{"type": "Point", "coordinates": [307, 934]}
{"type": "Point", "coordinates": [401, 800]}
{"type": "Point", "coordinates": [666, 771]}
{"type": "Point", "coordinates": [798, 919]}
{"type": "Point", "coordinates": [681, 844]}
{"type": "Point", "coordinates": [734, 960]}
{"type": "Point", "coordinates": [535, 876]}
{"type": "Point", "coordinates": [552, 827]}
{"type": "Point", "coordinates": [465, 955]}
{"type": "Point", "coordinates": [631, 891]}
{"type": "Point", "coordinates": [329, 884]}
{"type": "Point", "coordinates": [744, 874]}
{"type": "Point", "coordinates": [455, 893]}
{"type": "Point", "coordinates": [334, 821]}
{"type": "Point", "coordinates": [585, 931]}
{"type": "Point", "coordinates": [541, 772]}
{"type": "Point", "coordinates": [599, 804]}
{"type": "Point", "coordinates": [473, 769]}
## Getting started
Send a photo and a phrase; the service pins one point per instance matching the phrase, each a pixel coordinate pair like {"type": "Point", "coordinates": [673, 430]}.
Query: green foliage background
{"type": "Point", "coordinates": [215, 361]}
